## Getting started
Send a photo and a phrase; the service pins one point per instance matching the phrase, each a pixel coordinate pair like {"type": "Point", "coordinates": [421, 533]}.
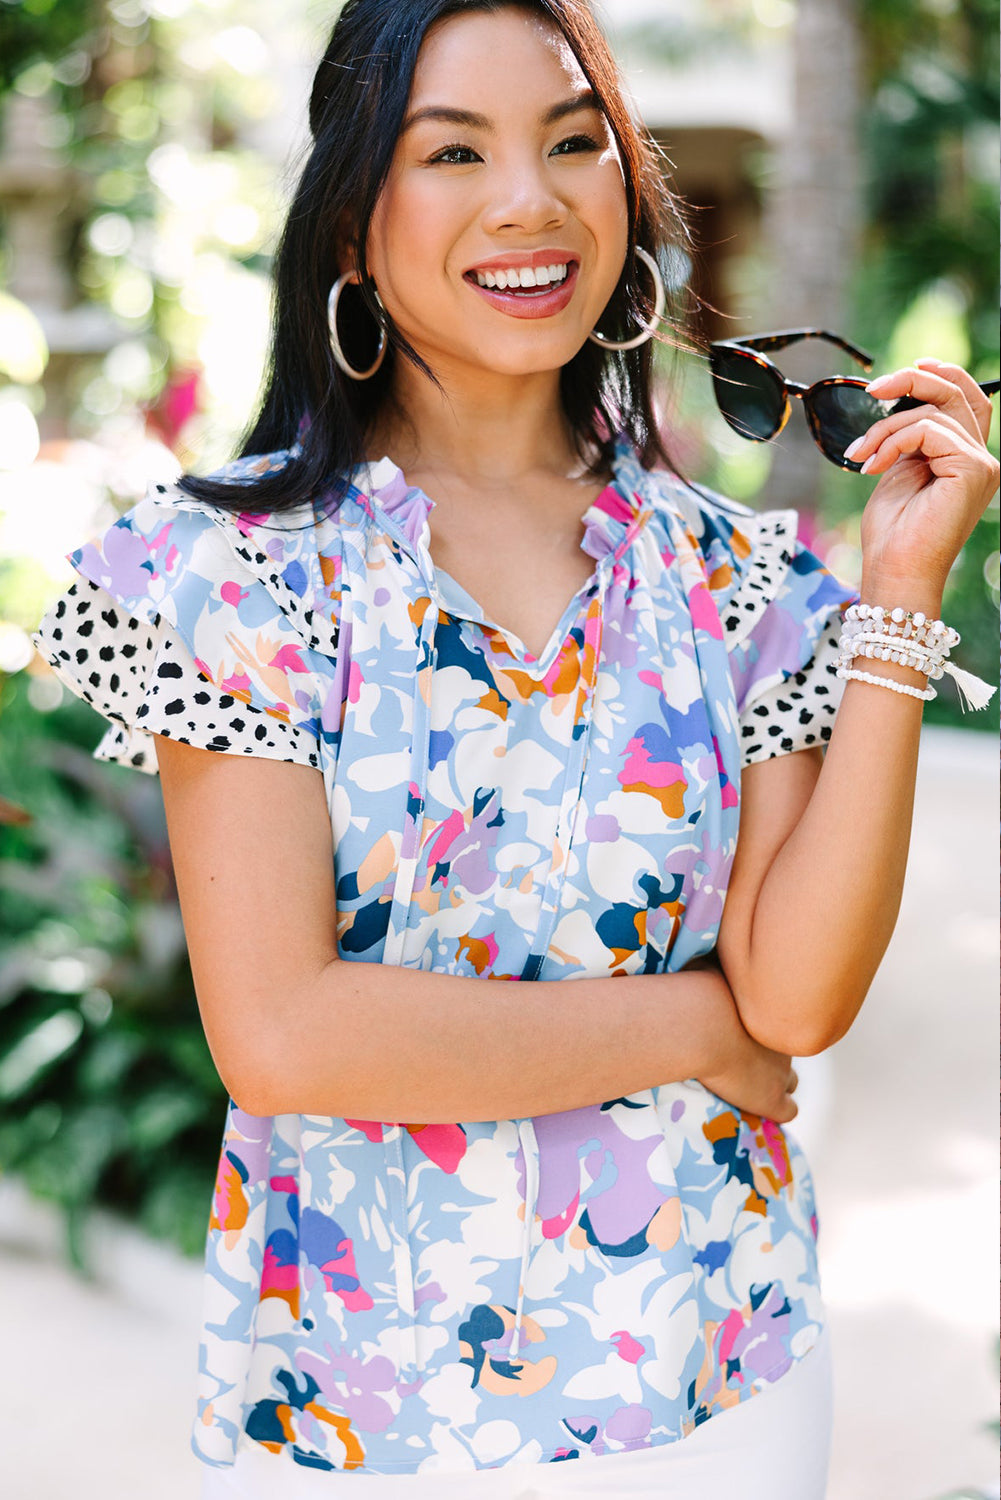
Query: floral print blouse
{"type": "Point", "coordinates": [388, 1297]}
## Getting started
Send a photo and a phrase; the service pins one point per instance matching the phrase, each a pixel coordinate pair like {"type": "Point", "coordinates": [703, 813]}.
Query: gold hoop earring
{"type": "Point", "coordinates": [649, 329]}
{"type": "Point", "coordinates": [336, 347]}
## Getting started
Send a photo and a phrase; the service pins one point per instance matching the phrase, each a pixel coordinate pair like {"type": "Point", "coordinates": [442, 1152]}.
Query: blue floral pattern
{"type": "Point", "coordinates": [386, 1297]}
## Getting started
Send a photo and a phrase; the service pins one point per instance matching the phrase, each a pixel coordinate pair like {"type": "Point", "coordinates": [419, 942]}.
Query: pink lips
{"type": "Point", "coordinates": [542, 302]}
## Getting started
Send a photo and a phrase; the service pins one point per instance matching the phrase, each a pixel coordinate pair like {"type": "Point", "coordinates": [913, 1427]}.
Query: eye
{"type": "Point", "coordinates": [454, 156]}
{"type": "Point", "coordinates": [574, 144]}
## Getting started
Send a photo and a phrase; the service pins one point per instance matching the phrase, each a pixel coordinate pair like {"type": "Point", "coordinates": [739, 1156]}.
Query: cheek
{"type": "Point", "coordinates": [379, 249]}
{"type": "Point", "coordinates": [612, 208]}
{"type": "Point", "coordinates": [603, 209]}
{"type": "Point", "coordinates": [409, 238]}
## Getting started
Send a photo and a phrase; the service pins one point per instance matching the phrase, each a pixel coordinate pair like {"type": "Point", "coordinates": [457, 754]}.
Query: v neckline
{"type": "Point", "coordinates": [609, 523]}
{"type": "Point", "coordinates": [456, 600]}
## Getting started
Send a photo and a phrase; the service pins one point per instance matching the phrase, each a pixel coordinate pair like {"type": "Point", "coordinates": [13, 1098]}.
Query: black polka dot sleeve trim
{"type": "Point", "coordinates": [797, 713]}
{"type": "Point", "coordinates": [140, 675]}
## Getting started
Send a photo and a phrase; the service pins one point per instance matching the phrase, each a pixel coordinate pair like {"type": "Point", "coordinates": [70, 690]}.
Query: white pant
{"type": "Point", "coordinates": [774, 1446]}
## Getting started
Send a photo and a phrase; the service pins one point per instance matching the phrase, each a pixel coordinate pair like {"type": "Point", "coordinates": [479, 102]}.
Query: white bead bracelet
{"type": "Point", "coordinates": [881, 647]}
{"type": "Point", "coordinates": [911, 639]}
{"type": "Point", "coordinates": [849, 674]}
{"type": "Point", "coordinates": [911, 624]}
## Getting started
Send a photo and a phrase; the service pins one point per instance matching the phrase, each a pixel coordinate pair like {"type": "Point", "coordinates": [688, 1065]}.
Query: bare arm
{"type": "Point", "coordinates": [813, 898]}
{"type": "Point", "coordinates": [294, 1029]}
{"type": "Point", "coordinates": [814, 894]}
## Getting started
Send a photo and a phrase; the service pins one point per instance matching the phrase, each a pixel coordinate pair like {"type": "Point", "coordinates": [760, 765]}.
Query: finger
{"type": "Point", "coordinates": [949, 454]}
{"type": "Point", "coordinates": [934, 388]}
{"type": "Point", "coordinates": [979, 403]}
{"type": "Point", "coordinates": [887, 426]}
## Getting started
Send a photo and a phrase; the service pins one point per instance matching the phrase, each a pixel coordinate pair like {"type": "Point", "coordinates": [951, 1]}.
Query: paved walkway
{"type": "Point", "coordinates": [95, 1391]}
{"type": "Point", "coordinates": [907, 1175]}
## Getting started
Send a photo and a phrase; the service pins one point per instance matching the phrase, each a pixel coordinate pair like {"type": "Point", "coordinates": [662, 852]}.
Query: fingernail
{"type": "Point", "coordinates": [868, 464]}
{"type": "Point", "coordinates": [854, 447]}
{"type": "Point", "coordinates": [879, 383]}
{"type": "Point", "coordinates": [928, 359]}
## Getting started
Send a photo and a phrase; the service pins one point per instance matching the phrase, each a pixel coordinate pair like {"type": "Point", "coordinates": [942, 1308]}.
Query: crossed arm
{"type": "Point", "coordinates": [292, 1028]}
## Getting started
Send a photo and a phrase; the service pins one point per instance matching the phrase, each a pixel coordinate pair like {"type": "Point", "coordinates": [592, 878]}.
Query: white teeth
{"type": "Point", "coordinates": [525, 277]}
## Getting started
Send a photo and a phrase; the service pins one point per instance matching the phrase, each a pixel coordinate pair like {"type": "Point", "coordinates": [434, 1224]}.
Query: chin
{"type": "Point", "coordinates": [522, 357]}
{"type": "Point", "coordinates": [520, 351]}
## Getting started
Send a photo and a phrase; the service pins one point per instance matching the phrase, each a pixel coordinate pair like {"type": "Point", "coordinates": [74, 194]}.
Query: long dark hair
{"type": "Point", "coordinates": [356, 111]}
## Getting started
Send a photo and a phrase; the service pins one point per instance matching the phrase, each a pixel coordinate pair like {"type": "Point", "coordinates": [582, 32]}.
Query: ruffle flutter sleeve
{"type": "Point", "coordinates": [782, 621]}
{"type": "Point", "coordinates": [216, 629]}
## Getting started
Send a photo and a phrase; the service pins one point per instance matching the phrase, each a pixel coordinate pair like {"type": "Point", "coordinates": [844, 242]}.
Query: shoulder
{"type": "Point", "coordinates": [205, 624]}
{"type": "Point", "coordinates": [174, 556]}
{"type": "Point", "coordinates": [753, 562]}
{"type": "Point", "coordinates": [713, 522]}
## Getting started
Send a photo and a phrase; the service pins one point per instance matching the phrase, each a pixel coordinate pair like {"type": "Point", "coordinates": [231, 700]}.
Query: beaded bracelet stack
{"type": "Point", "coordinates": [910, 638]}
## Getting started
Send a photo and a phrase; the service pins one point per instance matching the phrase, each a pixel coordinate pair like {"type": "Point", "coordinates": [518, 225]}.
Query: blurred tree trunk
{"type": "Point", "coordinates": [812, 218]}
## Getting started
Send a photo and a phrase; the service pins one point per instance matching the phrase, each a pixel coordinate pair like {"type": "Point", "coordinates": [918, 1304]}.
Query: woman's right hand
{"type": "Point", "coordinates": [752, 1078]}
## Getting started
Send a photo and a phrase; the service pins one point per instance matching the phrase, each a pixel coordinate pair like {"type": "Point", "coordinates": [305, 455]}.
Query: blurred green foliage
{"type": "Point", "coordinates": [928, 281]}
{"type": "Point", "coordinates": [930, 135]}
{"type": "Point", "coordinates": [33, 31]}
{"type": "Point", "coordinates": [108, 1093]}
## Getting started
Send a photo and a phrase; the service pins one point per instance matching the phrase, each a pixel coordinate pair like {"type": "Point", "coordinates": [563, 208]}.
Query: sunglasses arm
{"type": "Point", "coordinates": [781, 340]}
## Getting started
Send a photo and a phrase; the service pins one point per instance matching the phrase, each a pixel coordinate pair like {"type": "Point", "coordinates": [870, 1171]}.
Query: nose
{"type": "Point", "coordinates": [523, 197]}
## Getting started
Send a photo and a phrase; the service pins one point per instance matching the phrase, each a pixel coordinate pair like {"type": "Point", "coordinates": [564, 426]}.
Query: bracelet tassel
{"type": "Point", "coordinates": [974, 692]}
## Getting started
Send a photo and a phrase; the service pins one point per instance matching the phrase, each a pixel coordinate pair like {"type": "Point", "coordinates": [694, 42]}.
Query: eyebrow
{"type": "Point", "coordinates": [472, 121]}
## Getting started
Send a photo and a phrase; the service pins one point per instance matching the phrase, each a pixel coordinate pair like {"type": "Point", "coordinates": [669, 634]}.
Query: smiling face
{"type": "Point", "coordinates": [502, 229]}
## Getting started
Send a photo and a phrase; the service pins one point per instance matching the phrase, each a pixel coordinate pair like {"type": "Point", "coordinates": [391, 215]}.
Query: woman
{"type": "Point", "coordinates": [433, 762]}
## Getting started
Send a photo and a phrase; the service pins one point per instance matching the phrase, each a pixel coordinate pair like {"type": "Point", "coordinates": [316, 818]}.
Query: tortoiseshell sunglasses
{"type": "Point", "coordinates": [753, 394]}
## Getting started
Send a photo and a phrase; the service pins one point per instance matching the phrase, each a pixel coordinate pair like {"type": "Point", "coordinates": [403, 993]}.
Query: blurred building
{"type": "Point", "coordinates": [717, 94]}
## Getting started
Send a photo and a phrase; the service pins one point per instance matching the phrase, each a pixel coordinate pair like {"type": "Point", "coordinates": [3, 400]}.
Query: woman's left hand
{"type": "Point", "coordinates": [937, 474]}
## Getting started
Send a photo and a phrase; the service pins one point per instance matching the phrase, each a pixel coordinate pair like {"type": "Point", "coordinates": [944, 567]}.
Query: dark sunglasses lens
{"type": "Point", "coordinates": [843, 413]}
{"type": "Point", "coordinates": [749, 396]}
